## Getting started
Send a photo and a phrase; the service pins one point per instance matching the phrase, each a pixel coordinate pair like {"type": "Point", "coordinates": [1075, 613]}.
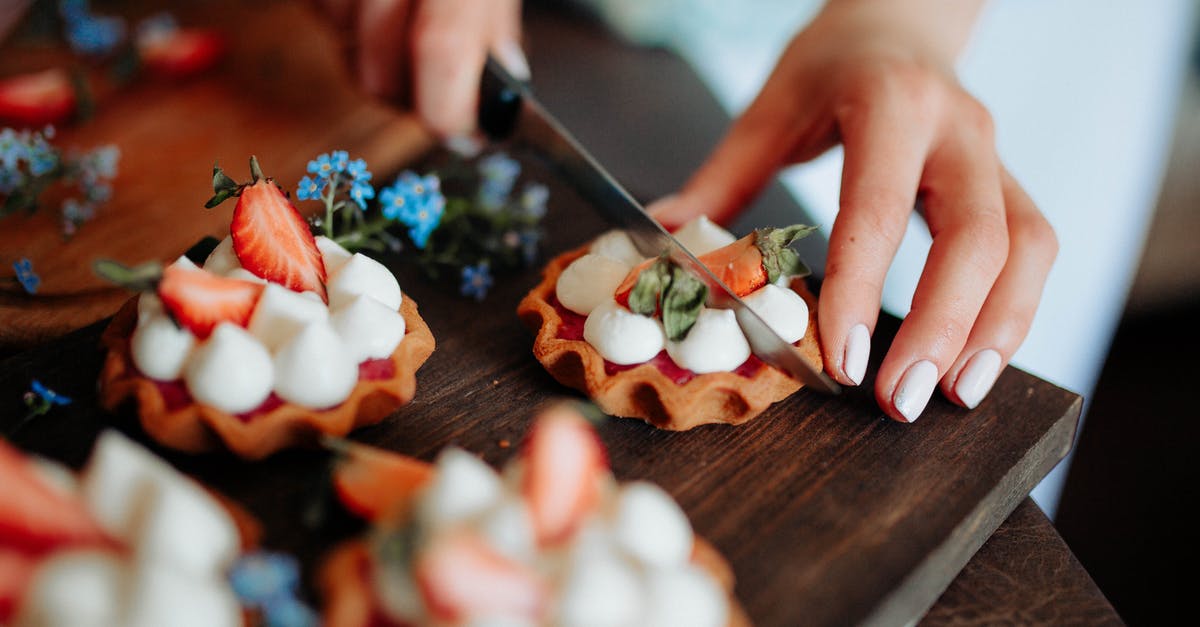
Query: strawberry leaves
{"type": "Point", "coordinates": [667, 288]}
{"type": "Point", "coordinates": [777, 259]}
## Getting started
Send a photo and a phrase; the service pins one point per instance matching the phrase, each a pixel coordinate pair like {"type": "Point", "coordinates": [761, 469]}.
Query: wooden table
{"type": "Point", "coordinates": [828, 512]}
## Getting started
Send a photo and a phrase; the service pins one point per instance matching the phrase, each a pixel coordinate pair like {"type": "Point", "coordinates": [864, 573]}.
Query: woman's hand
{"type": "Point", "coordinates": [873, 76]}
{"type": "Point", "coordinates": [430, 53]}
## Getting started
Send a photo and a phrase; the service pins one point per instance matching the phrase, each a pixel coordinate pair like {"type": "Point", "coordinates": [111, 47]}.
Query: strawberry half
{"type": "Point", "coordinates": [272, 240]}
{"type": "Point", "coordinates": [564, 463]}
{"type": "Point", "coordinates": [460, 577]}
{"type": "Point", "coordinates": [16, 571]}
{"type": "Point", "coordinates": [37, 99]}
{"type": "Point", "coordinates": [373, 482]}
{"type": "Point", "coordinates": [182, 53]}
{"type": "Point", "coordinates": [200, 300]}
{"type": "Point", "coordinates": [36, 516]}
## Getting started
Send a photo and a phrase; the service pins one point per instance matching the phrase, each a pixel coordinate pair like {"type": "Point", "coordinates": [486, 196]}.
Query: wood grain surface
{"type": "Point", "coordinates": [282, 93]}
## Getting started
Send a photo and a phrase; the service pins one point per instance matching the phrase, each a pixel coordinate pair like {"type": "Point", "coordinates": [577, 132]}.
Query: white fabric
{"type": "Point", "coordinates": [1083, 94]}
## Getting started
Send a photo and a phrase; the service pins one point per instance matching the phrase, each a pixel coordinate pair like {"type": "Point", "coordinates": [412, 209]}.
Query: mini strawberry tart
{"type": "Point", "coordinates": [278, 338]}
{"type": "Point", "coordinates": [553, 540]}
{"type": "Point", "coordinates": [635, 336]}
{"type": "Point", "coordinates": [129, 542]}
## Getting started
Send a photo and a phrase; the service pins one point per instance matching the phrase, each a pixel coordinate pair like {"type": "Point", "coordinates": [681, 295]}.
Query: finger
{"type": "Point", "coordinates": [885, 149]}
{"type": "Point", "coordinates": [965, 210]}
{"type": "Point", "coordinates": [1006, 315]}
{"type": "Point", "coordinates": [450, 43]}
{"type": "Point", "coordinates": [506, 38]}
{"type": "Point", "coordinates": [382, 25]}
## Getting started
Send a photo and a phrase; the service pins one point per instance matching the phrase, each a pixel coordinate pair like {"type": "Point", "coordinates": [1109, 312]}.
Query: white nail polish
{"type": "Point", "coordinates": [467, 146]}
{"type": "Point", "coordinates": [915, 389]}
{"type": "Point", "coordinates": [857, 353]}
{"type": "Point", "coordinates": [977, 378]}
{"type": "Point", "coordinates": [510, 55]}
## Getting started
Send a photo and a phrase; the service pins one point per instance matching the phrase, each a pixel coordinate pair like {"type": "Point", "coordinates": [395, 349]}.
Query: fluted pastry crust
{"type": "Point", "coordinates": [197, 427]}
{"type": "Point", "coordinates": [644, 391]}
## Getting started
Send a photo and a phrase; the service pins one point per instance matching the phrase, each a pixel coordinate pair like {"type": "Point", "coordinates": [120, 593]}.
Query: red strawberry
{"type": "Point", "coordinates": [36, 516]}
{"type": "Point", "coordinates": [373, 482]}
{"type": "Point", "coordinates": [564, 462]}
{"type": "Point", "coordinates": [37, 98]}
{"type": "Point", "coordinates": [461, 577]}
{"type": "Point", "coordinates": [272, 240]}
{"type": "Point", "coordinates": [16, 570]}
{"type": "Point", "coordinates": [200, 300]}
{"type": "Point", "coordinates": [182, 53]}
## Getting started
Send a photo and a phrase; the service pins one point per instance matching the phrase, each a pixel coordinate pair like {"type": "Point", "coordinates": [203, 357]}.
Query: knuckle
{"type": "Point", "coordinates": [1034, 235]}
{"type": "Point", "coordinates": [988, 243]}
{"type": "Point", "coordinates": [976, 117]}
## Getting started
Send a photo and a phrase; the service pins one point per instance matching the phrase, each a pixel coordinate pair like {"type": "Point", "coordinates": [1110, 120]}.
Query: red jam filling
{"type": "Point", "coordinates": [572, 329]}
{"type": "Point", "coordinates": [176, 395]}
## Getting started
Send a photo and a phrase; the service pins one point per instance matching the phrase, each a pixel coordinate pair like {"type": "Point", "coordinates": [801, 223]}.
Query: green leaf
{"type": "Point", "coordinates": [681, 303]}
{"type": "Point", "coordinates": [778, 259]}
{"type": "Point", "coordinates": [219, 198]}
{"type": "Point", "coordinates": [221, 181]}
{"type": "Point", "coordinates": [644, 298]}
{"type": "Point", "coordinates": [140, 278]}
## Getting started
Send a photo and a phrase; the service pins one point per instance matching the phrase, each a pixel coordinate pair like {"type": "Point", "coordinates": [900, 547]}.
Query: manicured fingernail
{"type": "Point", "coordinates": [510, 55]}
{"type": "Point", "coordinates": [915, 389]}
{"type": "Point", "coordinates": [464, 145]}
{"type": "Point", "coordinates": [858, 351]}
{"type": "Point", "coordinates": [976, 379]}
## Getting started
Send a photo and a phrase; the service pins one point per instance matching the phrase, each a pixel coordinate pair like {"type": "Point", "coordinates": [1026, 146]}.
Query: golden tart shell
{"type": "Point", "coordinates": [196, 427]}
{"type": "Point", "coordinates": [644, 391]}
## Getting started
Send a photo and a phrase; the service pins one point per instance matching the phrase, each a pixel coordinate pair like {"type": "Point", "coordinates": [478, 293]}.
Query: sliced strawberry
{"type": "Point", "coordinates": [460, 577]}
{"type": "Point", "coordinates": [182, 53]}
{"type": "Point", "coordinates": [373, 483]}
{"type": "Point", "coordinates": [200, 300]}
{"type": "Point", "coordinates": [564, 462]}
{"type": "Point", "coordinates": [16, 571]}
{"type": "Point", "coordinates": [37, 99]}
{"type": "Point", "coordinates": [36, 516]}
{"type": "Point", "coordinates": [272, 240]}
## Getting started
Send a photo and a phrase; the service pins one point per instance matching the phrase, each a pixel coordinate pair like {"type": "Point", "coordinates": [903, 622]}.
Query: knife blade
{"type": "Point", "coordinates": [508, 109]}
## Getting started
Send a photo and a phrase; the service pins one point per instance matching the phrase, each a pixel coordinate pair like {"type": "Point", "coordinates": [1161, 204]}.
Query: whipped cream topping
{"type": "Point", "coordinates": [703, 236]}
{"type": "Point", "coordinates": [314, 368]}
{"type": "Point", "coordinates": [621, 336]}
{"type": "Point", "coordinates": [715, 344]}
{"type": "Point", "coordinates": [589, 281]}
{"type": "Point", "coordinates": [180, 540]}
{"type": "Point", "coordinates": [616, 245]}
{"type": "Point", "coordinates": [627, 564]}
{"type": "Point", "coordinates": [231, 370]}
{"type": "Point", "coordinates": [782, 309]}
{"type": "Point", "coordinates": [362, 322]}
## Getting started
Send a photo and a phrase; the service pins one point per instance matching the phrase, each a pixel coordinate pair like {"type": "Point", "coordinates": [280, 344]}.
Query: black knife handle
{"type": "Point", "coordinates": [499, 101]}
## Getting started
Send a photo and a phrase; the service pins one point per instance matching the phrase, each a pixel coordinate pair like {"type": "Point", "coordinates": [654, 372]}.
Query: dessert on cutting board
{"type": "Point", "coordinates": [279, 337]}
{"type": "Point", "coordinates": [553, 539]}
{"type": "Point", "coordinates": [130, 541]}
{"type": "Point", "coordinates": [634, 334]}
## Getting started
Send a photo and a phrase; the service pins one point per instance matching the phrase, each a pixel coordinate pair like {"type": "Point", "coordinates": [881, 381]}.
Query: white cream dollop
{"type": "Point", "coordinates": [77, 588]}
{"type": "Point", "coordinates": [246, 275]}
{"type": "Point", "coordinates": [616, 245]}
{"type": "Point", "coordinates": [314, 368]}
{"type": "Point", "coordinates": [600, 590]}
{"type": "Point", "coordinates": [714, 344]}
{"type": "Point", "coordinates": [703, 235]}
{"type": "Point", "coordinates": [462, 487]}
{"type": "Point", "coordinates": [332, 254]}
{"type": "Point", "coordinates": [782, 309]}
{"type": "Point", "coordinates": [164, 596]}
{"type": "Point", "coordinates": [589, 281]}
{"type": "Point", "coordinates": [651, 526]}
{"type": "Point", "coordinates": [621, 336]}
{"type": "Point", "coordinates": [231, 370]}
{"type": "Point", "coordinates": [363, 275]}
{"type": "Point", "coordinates": [281, 313]}
{"type": "Point", "coordinates": [684, 596]}
{"type": "Point", "coordinates": [160, 348]}
{"type": "Point", "coordinates": [369, 329]}
{"type": "Point", "coordinates": [223, 260]}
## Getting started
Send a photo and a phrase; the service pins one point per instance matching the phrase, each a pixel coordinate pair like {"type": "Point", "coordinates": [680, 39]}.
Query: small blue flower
{"type": "Point", "coordinates": [258, 578]}
{"type": "Point", "coordinates": [12, 149]}
{"type": "Point", "coordinates": [289, 612]}
{"type": "Point", "coordinates": [94, 34]}
{"type": "Point", "coordinates": [361, 191]}
{"type": "Point", "coordinates": [309, 188]}
{"type": "Point", "coordinates": [476, 281]}
{"type": "Point", "coordinates": [416, 201]}
{"type": "Point", "coordinates": [77, 212]}
{"type": "Point", "coordinates": [339, 159]}
{"type": "Point", "coordinates": [533, 200]}
{"type": "Point", "coordinates": [48, 396]}
{"type": "Point", "coordinates": [357, 170]}
{"type": "Point", "coordinates": [100, 163]}
{"type": "Point", "coordinates": [499, 170]}
{"type": "Point", "coordinates": [28, 279]}
{"type": "Point", "coordinates": [42, 158]}
{"type": "Point", "coordinates": [322, 167]}
{"type": "Point", "coordinates": [529, 246]}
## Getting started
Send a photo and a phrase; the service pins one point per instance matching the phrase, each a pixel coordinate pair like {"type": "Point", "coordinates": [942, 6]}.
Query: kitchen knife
{"type": "Point", "coordinates": [509, 110]}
